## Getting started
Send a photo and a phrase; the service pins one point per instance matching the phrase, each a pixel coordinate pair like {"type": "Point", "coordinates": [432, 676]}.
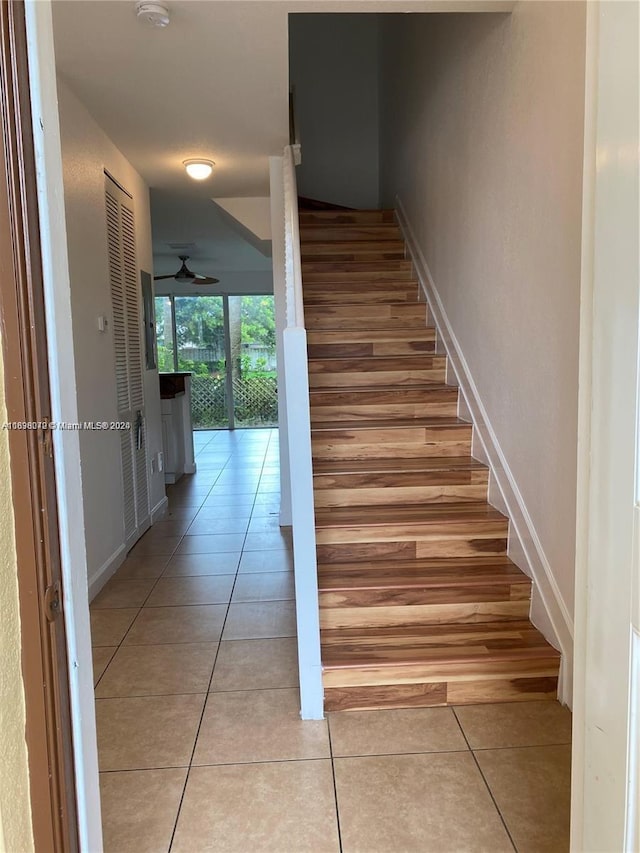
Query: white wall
{"type": "Point", "coordinates": [86, 153]}
{"type": "Point", "coordinates": [481, 140]}
{"type": "Point", "coordinates": [333, 67]}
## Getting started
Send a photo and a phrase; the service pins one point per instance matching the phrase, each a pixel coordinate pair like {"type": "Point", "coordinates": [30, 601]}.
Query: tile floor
{"type": "Point", "coordinates": [200, 743]}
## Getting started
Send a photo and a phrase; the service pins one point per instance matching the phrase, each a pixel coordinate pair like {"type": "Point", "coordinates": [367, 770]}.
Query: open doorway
{"type": "Point", "coordinates": [228, 344]}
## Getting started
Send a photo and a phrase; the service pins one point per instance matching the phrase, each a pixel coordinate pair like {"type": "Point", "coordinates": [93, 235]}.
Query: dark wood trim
{"type": "Point", "coordinates": [44, 654]}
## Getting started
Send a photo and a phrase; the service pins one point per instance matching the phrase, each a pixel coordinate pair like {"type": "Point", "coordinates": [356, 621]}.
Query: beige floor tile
{"type": "Point", "coordinates": [266, 561]}
{"type": "Point", "coordinates": [214, 544]}
{"type": "Point", "coordinates": [222, 511]}
{"type": "Point", "coordinates": [416, 804]}
{"type": "Point", "coordinates": [202, 589]}
{"type": "Point", "coordinates": [218, 498]}
{"type": "Point", "coordinates": [139, 809]}
{"type": "Point", "coordinates": [395, 731]}
{"type": "Point", "coordinates": [145, 732]}
{"type": "Point", "coordinates": [258, 725]}
{"type": "Point", "coordinates": [260, 620]}
{"type": "Point", "coordinates": [192, 624]}
{"type": "Point", "coordinates": [264, 586]}
{"type": "Point", "coordinates": [158, 670]}
{"type": "Point", "coordinates": [266, 524]}
{"type": "Point", "coordinates": [207, 526]}
{"type": "Point", "coordinates": [168, 527]}
{"type": "Point", "coordinates": [515, 724]}
{"type": "Point", "coordinates": [101, 656]}
{"type": "Point", "coordinates": [154, 546]}
{"type": "Point", "coordinates": [108, 627]}
{"type": "Point", "coordinates": [256, 664]}
{"type": "Point", "coordinates": [274, 541]}
{"type": "Point", "coordinates": [262, 808]}
{"type": "Point", "coordinates": [182, 501]}
{"type": "Point", "coordinates": [187, 565]}
{"type": "Point", "coordinates": [123, 593]}
{"type": "Point", "coordinates": [135, 568]}
{"type": "Point", "coordinates": [270, 509]}
{"type": "Point", "coordinates": [532, 788]}
{"type": "Point", "coordinates": [185, 513]}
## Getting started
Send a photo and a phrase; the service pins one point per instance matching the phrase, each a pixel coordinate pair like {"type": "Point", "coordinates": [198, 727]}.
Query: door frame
{"type": "Point", "coordinates": [48, 731]}
{"type": "Point", "coordinates": [64, 408]}
{"type": "Point", "coordinates": [606, 734]}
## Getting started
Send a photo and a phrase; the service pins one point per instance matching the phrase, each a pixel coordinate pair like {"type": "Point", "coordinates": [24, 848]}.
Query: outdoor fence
{"type": "Point", "coordinates": [255, 401]}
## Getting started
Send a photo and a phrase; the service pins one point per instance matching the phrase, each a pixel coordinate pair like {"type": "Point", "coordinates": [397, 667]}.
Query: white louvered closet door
{"type": "Point", "coordinates": [127, 330]}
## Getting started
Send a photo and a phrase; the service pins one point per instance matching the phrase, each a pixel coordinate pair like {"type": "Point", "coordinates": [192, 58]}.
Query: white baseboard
{"type": "Point", "coordinates": [106, 571]}
{"type": "Point", "coordinates": [160, 510]}
{"type": "Point", "coordinates": [549, 612]}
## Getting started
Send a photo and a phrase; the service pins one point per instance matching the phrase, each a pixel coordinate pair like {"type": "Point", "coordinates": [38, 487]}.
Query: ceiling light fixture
{"type": "Point", "coordinates": [154, 14]}
{"type": "Point", "coordinates": [199, 170]}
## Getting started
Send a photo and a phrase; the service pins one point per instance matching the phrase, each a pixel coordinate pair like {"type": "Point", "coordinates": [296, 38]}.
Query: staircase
{"type": "Point", "coordinates": [419, 603]}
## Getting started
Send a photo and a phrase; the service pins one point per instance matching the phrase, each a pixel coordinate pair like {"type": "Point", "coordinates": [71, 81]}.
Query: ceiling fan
{"type": "Point", "coordinates": [185, 274]}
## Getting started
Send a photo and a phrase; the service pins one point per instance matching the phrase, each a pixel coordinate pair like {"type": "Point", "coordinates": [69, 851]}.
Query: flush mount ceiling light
{"type": "Point", "coordinates": [154, 14]}
{"type": "Point", "coordinates": [199, 169]}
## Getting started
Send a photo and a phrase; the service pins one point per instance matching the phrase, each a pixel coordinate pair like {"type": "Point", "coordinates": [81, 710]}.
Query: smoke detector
{"type": "Point", "coordinates": [154, 14]}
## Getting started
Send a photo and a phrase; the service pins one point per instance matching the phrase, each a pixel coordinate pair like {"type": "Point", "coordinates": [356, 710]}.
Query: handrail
{"type": "Point", "coordinates": [293, 267]}
{"type": "Point", "coordinates": [298, 429]}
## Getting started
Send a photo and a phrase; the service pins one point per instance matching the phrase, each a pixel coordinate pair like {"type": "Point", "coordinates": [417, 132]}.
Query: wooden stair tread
{"type": "Point", "coordinates": [385, 465]}
{"type": "Point", "coordinates": [344, 648]}
{"type": "Point", "coordinates": [382, 516]}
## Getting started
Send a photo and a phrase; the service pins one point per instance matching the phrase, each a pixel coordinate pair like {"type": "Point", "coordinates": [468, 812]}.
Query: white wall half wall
{"type": "Point", "coordinates": [87, 152]}
{"type": "Point", "coordinates": [334, 72]}
{"type": "Point", "coordinates": [481, 148]}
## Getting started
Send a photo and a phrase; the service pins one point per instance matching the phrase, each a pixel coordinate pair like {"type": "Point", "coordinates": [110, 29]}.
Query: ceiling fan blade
{"type": "Point", "coordinates": [205, 279]}
{"type": "Point", "coordinates": [160, 277]}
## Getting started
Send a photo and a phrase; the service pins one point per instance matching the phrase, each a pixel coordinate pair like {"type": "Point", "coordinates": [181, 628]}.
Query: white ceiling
{"type": "Point", "coordinates": [212, 84]}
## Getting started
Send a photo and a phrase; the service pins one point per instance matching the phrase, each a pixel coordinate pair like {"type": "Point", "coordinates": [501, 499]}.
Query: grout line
{"type": "Point", "coordinates": [335, 786]}
{"type": "Point", "coordinates": [204, 707]}
{"type": "Point", "coordinates": [493, 799]}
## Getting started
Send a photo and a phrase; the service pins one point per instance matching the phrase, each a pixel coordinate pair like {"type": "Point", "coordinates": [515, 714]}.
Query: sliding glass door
{"type": "Point", "coordinates": [227, 343]}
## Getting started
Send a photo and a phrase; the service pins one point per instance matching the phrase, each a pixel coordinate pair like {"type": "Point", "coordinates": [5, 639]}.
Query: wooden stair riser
{"type": "Point", "coordinates": [369, 373]}
{"type": "Point", "coordinates": [448, 671]}
{"type": "Point", "coordinates": [404, 615]}
{"type": "Point", "coordinates": [381, 292]}
{"type": "Point", "coordinates": [376, 266]}
{"type": "Point", "coordinates": [364, 344]}
{"type": "Point", "coordinates": [392, 443]}
{"type": "Point", "coordinates": [329, 277]}
{"type": "Point", "coordinates": [407, 488]}
{"type": "Point", "coordinates": [369, 608]}
{"type": "Point", "coordinates": [357, 251]}
{"type": "Point", "coordinates": [346, 217]}
{"type": "Point", "coordinates": [325, 233]}
{"type": "Point", "coordinates": [383, 404]}
{"type": "Point", "coordinates": [441, 693]}
{"type": "Point", "coordinates": [366, 316]}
